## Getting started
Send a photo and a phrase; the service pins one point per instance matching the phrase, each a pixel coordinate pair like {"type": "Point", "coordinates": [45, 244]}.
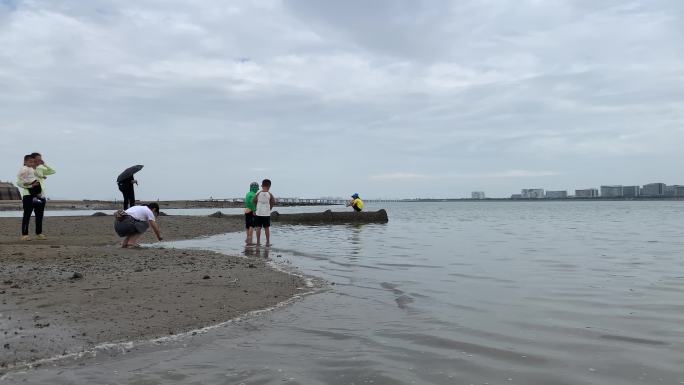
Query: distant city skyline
{"type": "Point", "coordinates": [654, 189]}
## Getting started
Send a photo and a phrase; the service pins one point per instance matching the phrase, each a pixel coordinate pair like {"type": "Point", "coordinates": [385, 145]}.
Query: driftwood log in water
{"type": "Point", "coordinates": [332, 217]}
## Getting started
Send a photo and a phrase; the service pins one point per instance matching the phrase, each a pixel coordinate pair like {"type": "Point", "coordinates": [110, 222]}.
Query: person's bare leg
{"type": "Point", "coordinates": [133, 239]}
{"type": "Point", "coordinates": [267, 230]}
{"type": "Point", "coordinates": [124, 244]}
{"type": "Point", "coordinates": [258, 231]}
{"type": "Point", "coordinates": [250, 234]}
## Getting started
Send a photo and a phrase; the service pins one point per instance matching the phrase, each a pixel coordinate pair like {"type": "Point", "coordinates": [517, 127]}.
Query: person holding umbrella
{"type": "Point", "coordinates": [125, 182]}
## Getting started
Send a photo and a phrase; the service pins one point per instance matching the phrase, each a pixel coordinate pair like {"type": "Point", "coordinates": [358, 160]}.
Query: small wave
{"type": "Point", "coordinates": [634, 340]}
{"type": "Point", "coordinates": [409, 265]}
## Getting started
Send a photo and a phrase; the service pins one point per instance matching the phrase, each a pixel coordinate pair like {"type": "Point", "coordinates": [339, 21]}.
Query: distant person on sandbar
{"type": "Point", "coordinates": [135, 221]}
{"type": "Point", "coordinates": [125, 181]}
{"type": "Point", "coordinates": [250, 210]}
{"type": "Point", "coordinates": [128, 191]}
{"type": "Point", "coordinates": [264, 201]}
{"type": "Point", "coordinates": [356, 202]}
{"type": "Point", "coordinates": [33, 193]}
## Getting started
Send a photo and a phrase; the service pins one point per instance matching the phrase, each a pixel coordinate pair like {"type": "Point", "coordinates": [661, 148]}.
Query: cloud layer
{"type": "Point", "coordinates": [387, 98]}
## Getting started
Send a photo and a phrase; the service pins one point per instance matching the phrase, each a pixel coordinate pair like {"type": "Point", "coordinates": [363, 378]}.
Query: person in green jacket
{"type": "Point", "coordinates": [42, 172]}
{"type": "Point", "coordinates": [250, 209]}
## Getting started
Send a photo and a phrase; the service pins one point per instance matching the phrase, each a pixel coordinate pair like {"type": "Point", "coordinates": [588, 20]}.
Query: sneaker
{"type": "Point", "coordinates": [41, 237]}
{"type": "Point", "coordinates": [25, 238]}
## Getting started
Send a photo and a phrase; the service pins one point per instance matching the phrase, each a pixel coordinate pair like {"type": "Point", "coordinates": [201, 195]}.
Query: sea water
{"type": "Point", "coordinates": [445, 293]}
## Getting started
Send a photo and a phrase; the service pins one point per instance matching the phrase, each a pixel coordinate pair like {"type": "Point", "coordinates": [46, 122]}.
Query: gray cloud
{"type": "Point", "coordinates": [439, 97]}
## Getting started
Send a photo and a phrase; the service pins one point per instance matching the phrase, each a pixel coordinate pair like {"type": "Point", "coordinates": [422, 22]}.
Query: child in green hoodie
{"type": "Point", "coordinates": [250, 208]}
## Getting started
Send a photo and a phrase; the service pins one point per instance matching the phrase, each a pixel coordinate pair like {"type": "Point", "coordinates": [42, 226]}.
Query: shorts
{"type": "Point", "coordinates": [130, 226]}
{"type": "Point", "coordinates": [262, 221]}
{"type": "Point", "coordinates": [249, 220]}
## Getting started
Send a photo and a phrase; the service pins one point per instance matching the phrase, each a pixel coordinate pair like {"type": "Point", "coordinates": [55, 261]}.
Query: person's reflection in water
{"type": "Point", "coordinates": [355, 240]}
{"type": "Point", "coordinates": [257, 252]}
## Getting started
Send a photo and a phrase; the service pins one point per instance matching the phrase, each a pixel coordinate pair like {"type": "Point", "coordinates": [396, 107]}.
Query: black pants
{"type": "Point", "coordinates": [29, 208]}
{"type": "Point", "coordinates": [128, 195]}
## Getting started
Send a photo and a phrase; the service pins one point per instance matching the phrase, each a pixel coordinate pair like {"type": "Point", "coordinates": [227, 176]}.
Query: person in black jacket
{"type": "Point", "coordinates": [126, 188]}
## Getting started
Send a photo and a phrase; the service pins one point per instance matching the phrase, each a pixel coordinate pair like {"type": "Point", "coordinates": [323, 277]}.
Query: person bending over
{"type": "Point", "coordinates": [134, 222]}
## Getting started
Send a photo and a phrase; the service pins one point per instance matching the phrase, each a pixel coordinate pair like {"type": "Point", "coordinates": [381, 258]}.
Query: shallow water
{"type": "Point", "coordinates": [447, 293]}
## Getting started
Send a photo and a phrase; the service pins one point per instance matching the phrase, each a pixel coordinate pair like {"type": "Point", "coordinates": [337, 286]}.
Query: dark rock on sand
{"type": "Point", "coordinates": [99, 214]}
{"type": "Point", "coordinates": [217, 214]}
{"type": "Point", "coordinates": [77, 275]}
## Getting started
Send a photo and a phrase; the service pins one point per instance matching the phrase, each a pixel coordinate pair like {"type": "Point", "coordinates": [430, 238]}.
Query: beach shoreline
{"type": "Point", "coordinates": [56, 204]}
{"type": "Point", "coordinates": [79, 289]}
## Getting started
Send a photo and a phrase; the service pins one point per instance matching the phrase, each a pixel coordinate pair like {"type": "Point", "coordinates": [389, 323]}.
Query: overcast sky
{"type": "Point", "coordinates": [393, 98]}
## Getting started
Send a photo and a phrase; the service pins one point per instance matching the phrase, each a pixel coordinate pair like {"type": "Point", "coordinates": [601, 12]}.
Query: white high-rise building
{"type": "Point", "coordinates": [562, 194]}
{"type": "Point", "coordinates": [587, 193]}
{"type": "Point", "coordinates": [653, 189]}
{"type": "Point", "coordinates": [532, 193]}
{"type": "Point", "coordinates": [477, 195]}
{"type": "Point", "coordinates": [631, 191]}
{"type": "Point", "coordinates": [611, 191]}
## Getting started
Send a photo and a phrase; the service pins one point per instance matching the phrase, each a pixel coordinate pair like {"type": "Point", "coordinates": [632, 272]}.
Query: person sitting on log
{"type": "Point", "coordinates": [356, 202]}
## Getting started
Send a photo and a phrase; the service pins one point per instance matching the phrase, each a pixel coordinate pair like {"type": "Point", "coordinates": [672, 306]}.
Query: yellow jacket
{"type": "Point", "coordinates": [357, 203]}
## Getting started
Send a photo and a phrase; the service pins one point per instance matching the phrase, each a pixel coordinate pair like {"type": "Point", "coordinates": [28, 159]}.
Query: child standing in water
{"type": "Point", "coordinates": [250, 211]}
{"type": "Point", "coordinates": [264, 201]}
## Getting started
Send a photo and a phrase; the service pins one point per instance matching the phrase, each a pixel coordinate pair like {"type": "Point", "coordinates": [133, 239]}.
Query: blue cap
{"type": "Point", "coordinates": [355, 195]}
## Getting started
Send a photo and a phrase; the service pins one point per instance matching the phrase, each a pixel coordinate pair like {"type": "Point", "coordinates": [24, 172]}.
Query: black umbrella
{"type": "Point", "coordinates": [129, 172]}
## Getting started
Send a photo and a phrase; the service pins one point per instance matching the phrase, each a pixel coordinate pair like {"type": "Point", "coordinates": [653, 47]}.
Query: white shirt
{"type": "Point", "coordinates": [264, 204]}
{"type": "Point", "coordinates": [141, 213]}
{"type": "Point", "coordinates": [27, 175]}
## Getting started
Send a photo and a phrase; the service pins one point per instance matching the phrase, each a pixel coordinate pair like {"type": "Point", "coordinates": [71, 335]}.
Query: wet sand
{"type": "Point", "coordinates": [79, 289]}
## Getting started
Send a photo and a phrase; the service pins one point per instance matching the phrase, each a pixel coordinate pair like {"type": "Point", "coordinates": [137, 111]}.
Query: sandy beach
{"type": "Point", "coordinates": [79, 289]}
